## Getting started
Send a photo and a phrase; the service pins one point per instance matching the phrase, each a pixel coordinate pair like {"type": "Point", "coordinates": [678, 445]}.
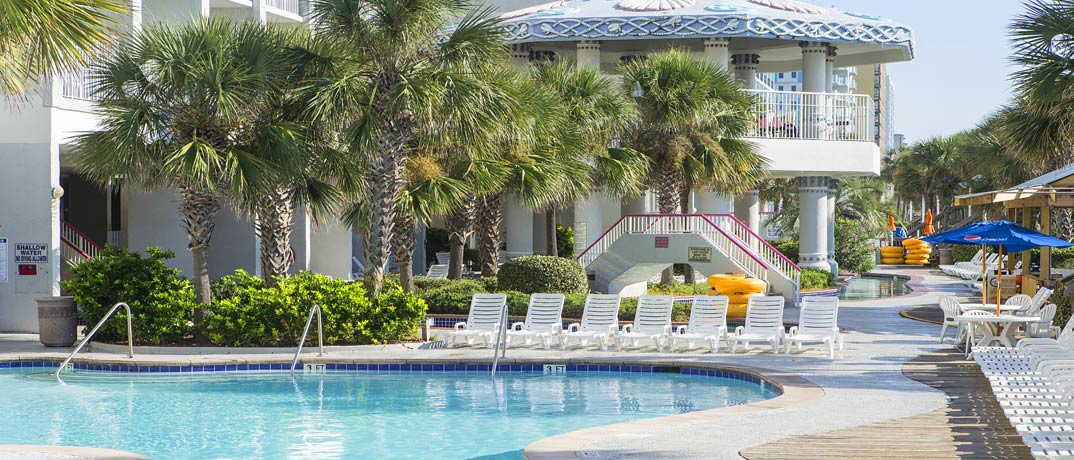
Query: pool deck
{"type": "Point", "coordinates": [864, 385]}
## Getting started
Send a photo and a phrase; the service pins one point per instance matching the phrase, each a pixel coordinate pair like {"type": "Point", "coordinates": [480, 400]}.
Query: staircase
{"type": "Point", "coordinates": [75, 246]}
{"type": "Point", "coordinates": [639, 246]}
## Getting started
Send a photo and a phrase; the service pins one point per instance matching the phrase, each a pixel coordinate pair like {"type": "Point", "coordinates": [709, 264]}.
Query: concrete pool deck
{"type": "Point", "coordinates": [863, 385]}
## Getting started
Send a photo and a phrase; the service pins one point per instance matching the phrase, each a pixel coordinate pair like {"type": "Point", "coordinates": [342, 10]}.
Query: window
{"type": "Point", "coordinates": [794, 74]}
{"type": "Point", "coordinates": [794, 88]}
{"type": "Point", "coordinates": [781, 87]}
{"type": "Point", "coordinates": [781, 75]}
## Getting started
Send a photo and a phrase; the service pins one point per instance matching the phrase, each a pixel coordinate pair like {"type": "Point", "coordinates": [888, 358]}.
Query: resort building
{"type": "Point", "coordinates": [813, 134]}
{"type": "Point", "coordinates": [875, 81]}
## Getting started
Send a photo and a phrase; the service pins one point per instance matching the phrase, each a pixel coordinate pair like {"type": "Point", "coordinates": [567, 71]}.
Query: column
{"type": "Point", "coordinates": [717, 51]}
{"type": "Point", "coordinates": [639, 205]}
{"type": "Point", "coordinates": [588, 221]}
{"type": "Point", "coordinates": [714, 203]}
{"type": "Point", "coordinates": [588, 54]}
{"type": "Point", "coordinates": [748, 210]}
{"type": "Point", "coordinates": [813, 222]}
{"type": "Point", "coordinates": [330, 249]}
{"type": "Point", "coordinates": [519, 223]}
{"type": "Point", "coordinates": [829, 69]}
{"type": "Point", "coordinates": [814, 80]}
{"type": "Point", "coordinates": [833, 191]}
{"type": "Point", "coordinates": [520, 56]}
{"type": "Point", "coordinates": [745, 66]}
{"type": "Point", "coordinates": [259, 11]}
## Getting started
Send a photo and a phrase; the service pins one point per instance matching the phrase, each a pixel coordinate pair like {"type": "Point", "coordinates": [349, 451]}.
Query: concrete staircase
{"type": "Point", "coordinates": [639, 246]}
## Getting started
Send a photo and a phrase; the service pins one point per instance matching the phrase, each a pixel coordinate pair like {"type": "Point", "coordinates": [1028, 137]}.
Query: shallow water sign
{"type": "Point", "coordinates": [555, 369]}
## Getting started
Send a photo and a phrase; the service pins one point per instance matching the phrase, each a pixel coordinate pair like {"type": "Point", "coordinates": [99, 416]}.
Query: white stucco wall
{"type": "Point", "coordinates": [330, 250]}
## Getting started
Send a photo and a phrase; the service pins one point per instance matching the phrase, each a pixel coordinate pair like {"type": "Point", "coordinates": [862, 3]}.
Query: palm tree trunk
{"type": "Point", "coordinates": [551, 237]}
{"type": "Point", "coordinates": [460, 224]}
{"type": "Point", "coordinates": [489, 221]}
{"type": "Point", "coordinates": [385, 180]}
{"type": "Point", "coordinates": [273, 226]}
{"type": "Point", "coordinates": [684, 203]}
{"type": "Point", "coordinates": [404, 239]}
{"type": "Point", "coordinates": [198, 209]}
{"type": "Point", "coordinates": [668, 183]}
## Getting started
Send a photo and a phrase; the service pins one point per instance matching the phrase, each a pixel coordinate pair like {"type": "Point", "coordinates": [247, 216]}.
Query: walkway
{"type": "Point", "coordinates": [865, 385]}
{"type": "Point", "coordinates": [972, 424]}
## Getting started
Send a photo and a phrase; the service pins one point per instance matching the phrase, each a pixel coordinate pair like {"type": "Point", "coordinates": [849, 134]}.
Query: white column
{"type": "Point", "coordinates": [746, 69]}
{"type": "Point", "coordinates": [136, 15]}
{"type": "Point", "coordinates": [588, 54]}
{"type": "Point", "coordinates": [259, 11]}
{"type": "Point", "coordinates": [519, 223]}
{"type": "Point", "coordinates": [748, 210]}
{"type": "Point", "coordinates": [833, 190]}
{"type": "Point", "coordinates": [206, 8]}
{"type": "Point", "coordinates": [813, 222]}
{"type": "Point", "coordinates": [815, 79]}
{"type": "Point", "coordinates": [829, 70]}
{"type": "Point", "coordinates": [611, 210]}
{"type": "Point", "coordinates": [639, 205]}
{"type": "Point", "coordinates": [717, 52]}
{"type": "Point", "coordinates": [588, 221]}
{"type": "Point", "coordinates": [714, 203]}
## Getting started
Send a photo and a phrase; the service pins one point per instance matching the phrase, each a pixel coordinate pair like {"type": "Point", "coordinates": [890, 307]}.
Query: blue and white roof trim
{"type": "Point", "coordinates": [572, 20]}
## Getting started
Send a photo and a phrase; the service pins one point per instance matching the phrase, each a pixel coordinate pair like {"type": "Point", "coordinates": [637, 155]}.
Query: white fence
{"type": "Point", "coordinates": [813, 116]}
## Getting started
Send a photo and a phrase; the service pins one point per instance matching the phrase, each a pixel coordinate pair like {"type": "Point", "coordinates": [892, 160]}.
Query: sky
{"type": "Point", "coordinates": [960, 71]}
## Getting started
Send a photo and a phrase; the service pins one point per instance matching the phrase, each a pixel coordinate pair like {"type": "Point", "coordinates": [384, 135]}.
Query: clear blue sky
{"type": "Point", "coordinates": [960, 73]}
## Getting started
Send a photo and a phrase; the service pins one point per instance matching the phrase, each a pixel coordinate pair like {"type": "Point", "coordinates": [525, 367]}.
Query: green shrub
{"type": "Point", "coordinates": [532, 274]}
{"type": "Point", "coordinates": [1061, 299]}
{"type": "Point", "coordinates": [453, 297]}
{"type": "Point", "coordinates": [852, 246]}
{"type": "Point", "coordinates": [161, 300]}
{"type": "Point", "coordinates": [573, 305]}
{"type": "Point", "coordinates": [256, 316]}
{"type": "Point", "coordinates": [789, 249]}
{"type": "Point", "coordinates": [565, 241]}
{"type": "Point", "coordinates": [490, 283]}
{"type": "Point", "coordinates": [961, 252]}
{"type": "Point", "coordinates": [816, 279]}
{"type": "Point", "coordinates": [423, 283]}
{"type": "Point", "coordinates": [517, 303]}
{"type": "Point", "coordinates": [678, 289]}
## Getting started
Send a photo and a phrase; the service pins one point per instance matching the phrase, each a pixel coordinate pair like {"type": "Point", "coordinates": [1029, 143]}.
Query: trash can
{"type": "Point", "coordinates": [57, 320]}
{"type": "Point", "coordinates": [946, 256]}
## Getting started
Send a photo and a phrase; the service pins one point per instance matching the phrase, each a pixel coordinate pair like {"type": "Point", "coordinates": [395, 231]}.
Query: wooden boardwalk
{"type": "Point", "coordinates": [972, 426]}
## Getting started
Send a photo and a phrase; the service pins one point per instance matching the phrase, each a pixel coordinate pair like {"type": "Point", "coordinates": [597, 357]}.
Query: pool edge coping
{"type": "Point", "coordinates": [794, 390]}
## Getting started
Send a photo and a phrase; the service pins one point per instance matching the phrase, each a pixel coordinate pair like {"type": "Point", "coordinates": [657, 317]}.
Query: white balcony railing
{"type": "Point", "coordinates": [76, 85]}
{"type": "Point", "coordinates": [290, 6]}
{"type": "Point", "coordinates": [813, 116]}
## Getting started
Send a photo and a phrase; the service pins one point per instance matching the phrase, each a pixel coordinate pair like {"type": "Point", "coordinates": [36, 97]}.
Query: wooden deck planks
{"type": "Point", "coordinates": [972, 426]}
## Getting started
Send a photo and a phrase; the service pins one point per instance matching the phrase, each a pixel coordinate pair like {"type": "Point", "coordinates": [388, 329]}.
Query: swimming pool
{"type": "Point", "coordinates": [343, 415]}
{"type": "Point", "coordinates": [865, 287]}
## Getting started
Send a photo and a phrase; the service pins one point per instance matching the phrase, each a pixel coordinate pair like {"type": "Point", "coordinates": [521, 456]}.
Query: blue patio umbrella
{"type": "Point", "coordinates": [1001, 233]}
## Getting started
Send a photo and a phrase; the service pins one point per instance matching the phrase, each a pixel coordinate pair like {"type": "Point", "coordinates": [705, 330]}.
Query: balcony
{"type": "Point", "coordinates": [290, 6]}
{"type": "Point", "coordinates": [813, 116]}
{"type": "Point", "coordinates": [76, 86]}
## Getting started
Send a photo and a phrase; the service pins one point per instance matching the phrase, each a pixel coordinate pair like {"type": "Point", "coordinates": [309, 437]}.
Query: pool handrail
{"type": "Point", "coordinates": [305, 331]}
{"type": "Point", "coordinates": [500, 338]}
{"type": "Point", "coordinates": [130, 336]}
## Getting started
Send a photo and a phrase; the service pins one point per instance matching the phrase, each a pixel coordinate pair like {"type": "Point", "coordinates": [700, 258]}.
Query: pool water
{"type": "Point", "coordinates": [874, 287]}
{"type": "Point", "coordinates": [352, 415]}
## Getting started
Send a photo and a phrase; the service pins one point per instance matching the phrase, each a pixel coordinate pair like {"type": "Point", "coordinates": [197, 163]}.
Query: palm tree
{"type": "Point", "coordinates": [693, 115]}
{"type": "Point", "coordinates": [172, 104]}
{"type": "Point", "coordinates": [47, 37]}
{"type": "Point", "coordinates": [391, 62]}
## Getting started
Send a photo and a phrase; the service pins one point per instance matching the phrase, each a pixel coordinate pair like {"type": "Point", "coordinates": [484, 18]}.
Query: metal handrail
{"type": "Point", "coordinates": [500, 340]}
{"type": "Point", "coordinates": [130, 336]}
{"type": "Point", "coordinates": [305, 331]}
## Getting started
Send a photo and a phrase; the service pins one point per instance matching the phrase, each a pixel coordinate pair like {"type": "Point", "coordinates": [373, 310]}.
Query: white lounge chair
{"type": "Point", "coordinates": [764, 323]}
{"type": "Point", "coordinates": [817, 323]}
{"type": "Point", "coordinates": [708, 323]}
{"type": "Point", "coordinates": [1039, 299]}
{"type": "Point", "coordinates": [437, 271]}
{"type": "Point", "coordinates": [975, 261]}
{"type": "Point", "coordinates": [483, 322]}
{"type": "Point", "coordinates": [951, 310]}
{"type": "Point", "coordinates": [443, 258]}
{"type": "Point", "coordinates": [652, 322]}
{"type": "Point", "coordinates": [600, 322]}
{"type": "Point", "coordinates": [544, 319]}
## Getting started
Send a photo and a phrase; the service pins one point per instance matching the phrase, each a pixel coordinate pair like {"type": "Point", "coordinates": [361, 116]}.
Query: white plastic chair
{"type": "Point", "coordinates": [951, 310]}
{"type": "Point", "coordinates": [437, 271]}
{"type": "Point", "coordinates": [1039, 299]}
{"type": "Point", "coordinates": [817, 323]}
{"type": "Point", "coordinates": [600, 322]}
{"type": "Point", "coordinates": [708, 323]}
{"type": "Point", "coordinates": [1021, 300]}
{"type": "Point", "coordinates": [764, 323]}
{"type": "Point", "coordinates": [544, 319]}
{"type": "Point", "coordinates": [483, 321]}
{"type": "Point", "coordinates": [652, 322]}
{"type": "Point", "coordinates": [1044, 327]}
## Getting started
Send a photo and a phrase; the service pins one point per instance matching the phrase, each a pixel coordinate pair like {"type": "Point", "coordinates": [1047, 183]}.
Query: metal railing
{"type": "Point", "coordinates": [76, 247]}
{"type": "Point", "coordinates": [698, 224]}
{"type": "Point", "coordinates": [813, 116]}
{"type": "Point", "coordinates": [759, 245]}
{"type": "Point", "coordinates": [130, 336]}
{"type": "Point", "coordinates": [501, 340]}
{"type": "Point", "coordinates": [290, 6]}
{"type": "Point", "coordinates": [305, 331]}
{"type": "Point", "coordinates": [75, 85]}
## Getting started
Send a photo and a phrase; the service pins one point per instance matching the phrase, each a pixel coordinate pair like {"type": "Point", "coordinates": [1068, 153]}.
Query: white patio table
{"type": "Point", "coordinates": [1007, 323]}
{"type": "Point", "coordinates": [965, 307]}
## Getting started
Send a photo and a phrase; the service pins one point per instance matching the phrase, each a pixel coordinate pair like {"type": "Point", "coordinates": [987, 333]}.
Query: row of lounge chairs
{"type": "Point", "coordinates": [1034, 384]}
{"type": "Point", "coordinates": [972, 270]}
{"type": "Point", "coordinates": [652, 323]}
